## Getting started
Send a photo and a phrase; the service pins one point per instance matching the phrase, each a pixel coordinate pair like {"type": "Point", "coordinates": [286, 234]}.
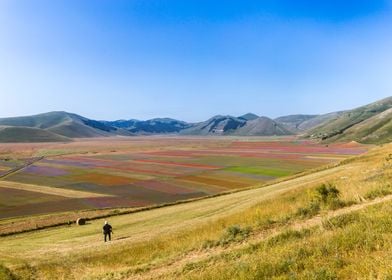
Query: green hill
{"type": "Point", "coordinates": [377, 129]}
{"type": "Point", "coordinates": [368, 124]}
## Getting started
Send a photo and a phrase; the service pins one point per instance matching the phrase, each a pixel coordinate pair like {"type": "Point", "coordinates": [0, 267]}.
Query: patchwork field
{"type": "Point", "coordinates": [141, 171]}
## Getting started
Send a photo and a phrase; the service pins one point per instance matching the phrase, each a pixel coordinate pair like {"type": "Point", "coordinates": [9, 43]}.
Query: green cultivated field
{"type": "Point", "coordinates": [261, 171]}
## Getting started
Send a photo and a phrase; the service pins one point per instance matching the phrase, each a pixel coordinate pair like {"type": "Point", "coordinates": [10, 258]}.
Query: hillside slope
{"type": "Point", "coordinates": [348, 125]}
{"type": "Point", "coordinates": [244, 235]}
{"type": "Point", "coordinates": [319, 120]}
{"type": "Point", "coordinates": [9, 134]}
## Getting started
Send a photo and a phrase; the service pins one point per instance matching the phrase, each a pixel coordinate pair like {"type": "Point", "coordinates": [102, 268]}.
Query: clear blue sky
{"type": "Point", "coordinates": [191, 59]}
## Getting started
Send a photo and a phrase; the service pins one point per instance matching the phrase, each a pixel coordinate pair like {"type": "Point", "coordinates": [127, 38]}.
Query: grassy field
{"type": "Point", "coordinates": [143, 171]}
{"type": "Point", "coordinates": [327, 224]}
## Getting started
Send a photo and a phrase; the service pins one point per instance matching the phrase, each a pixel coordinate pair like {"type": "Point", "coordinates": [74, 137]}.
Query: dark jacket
{"type": "Point", "coordinates": [107, 229]}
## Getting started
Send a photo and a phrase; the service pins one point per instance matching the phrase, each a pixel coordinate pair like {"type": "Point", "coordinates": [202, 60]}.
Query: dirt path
{"type": "Point", "coordinates": [196, 256]}
{"type": "Point", "coordinates": [19, 168]}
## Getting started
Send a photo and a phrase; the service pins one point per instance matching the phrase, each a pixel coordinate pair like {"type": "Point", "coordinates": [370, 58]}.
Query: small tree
{"type": "Point", "coordinates": [327, 192]}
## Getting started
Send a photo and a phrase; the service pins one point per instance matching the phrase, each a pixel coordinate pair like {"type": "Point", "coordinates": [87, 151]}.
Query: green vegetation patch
{"type": "Point", "coordinates": [260, 171]}
{"type": "Point", "coordinates": [379, 192]}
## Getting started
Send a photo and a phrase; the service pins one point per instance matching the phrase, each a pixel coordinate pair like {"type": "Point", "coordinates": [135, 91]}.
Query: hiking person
{"type": "Point", "coordinates": [107, 231]}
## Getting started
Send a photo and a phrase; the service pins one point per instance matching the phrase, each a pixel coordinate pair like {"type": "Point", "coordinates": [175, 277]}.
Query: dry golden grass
{"type": "Point", "coordinates": [49, 190]}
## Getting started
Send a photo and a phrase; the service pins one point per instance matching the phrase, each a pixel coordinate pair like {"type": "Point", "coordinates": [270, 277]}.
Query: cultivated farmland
{"type": "Point", "coordinates": [141, 171]}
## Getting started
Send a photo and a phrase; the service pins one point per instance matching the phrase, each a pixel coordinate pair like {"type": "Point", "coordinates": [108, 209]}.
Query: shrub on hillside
{"type": "Point", "coordinates": [325, 196]}
{"type": "Point", "coordinates": [327, 192]}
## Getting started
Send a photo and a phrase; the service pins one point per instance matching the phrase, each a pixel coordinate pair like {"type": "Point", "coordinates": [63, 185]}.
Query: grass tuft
{"type": "Point", "coordinates": [288, 235]}
{"type": "Point", "coordinates": [234, 233]}
{"type": "Point", "coordinates": [6, 274]}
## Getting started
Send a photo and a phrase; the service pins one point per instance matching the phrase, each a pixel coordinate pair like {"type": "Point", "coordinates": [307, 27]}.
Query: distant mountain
{"type": "Point", "coordinates": [229, 125]}
{"type": "Point", "coordinates": [154, 126]}
{"type": "Point", "coordinates": [368, 124]}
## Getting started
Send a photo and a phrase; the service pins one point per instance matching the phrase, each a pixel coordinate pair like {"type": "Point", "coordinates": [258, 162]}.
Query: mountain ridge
{"type": "Point", "coordinates": [371, 123]}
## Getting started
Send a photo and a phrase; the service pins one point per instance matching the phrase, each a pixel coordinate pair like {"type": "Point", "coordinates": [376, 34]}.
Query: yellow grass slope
{"type": "Point", "coordinates": [164, 243]}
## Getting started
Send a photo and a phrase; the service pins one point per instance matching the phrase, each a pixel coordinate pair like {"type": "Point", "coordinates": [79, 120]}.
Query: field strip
{"type": "Point", "coordinates": [326, 157]}
{"type": "Point", "coordinates": [197, 256]}
{"type": "Point", "coordinates": [49, 190]}
{"type": "Point", "coordinates": [19, 168]}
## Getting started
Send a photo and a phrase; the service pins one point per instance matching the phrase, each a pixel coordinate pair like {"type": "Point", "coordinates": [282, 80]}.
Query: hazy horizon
{"type": "Point", "coordinates": [191, 60]}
